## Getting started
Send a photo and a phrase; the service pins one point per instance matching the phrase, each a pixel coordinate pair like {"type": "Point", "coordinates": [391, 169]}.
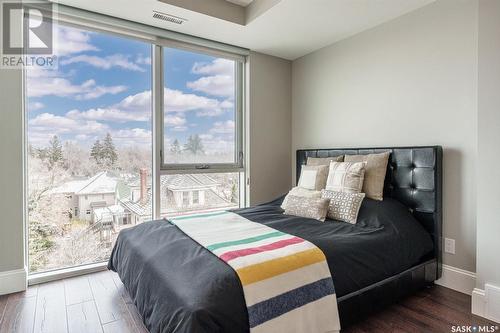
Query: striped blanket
{"type": "Point", "coordinates": [286, 281]}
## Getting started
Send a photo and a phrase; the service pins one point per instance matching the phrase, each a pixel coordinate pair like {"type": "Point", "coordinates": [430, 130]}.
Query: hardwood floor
{"type": "Point", "coordinates": [91, 303]}
{"type": "Point", "coordinates": [98, 302]}
{"type": "Point", "coordinates": [435, 309]}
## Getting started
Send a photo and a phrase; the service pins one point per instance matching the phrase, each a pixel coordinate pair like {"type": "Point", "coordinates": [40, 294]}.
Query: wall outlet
{"type": "Point", "coordinates": [449, 245]}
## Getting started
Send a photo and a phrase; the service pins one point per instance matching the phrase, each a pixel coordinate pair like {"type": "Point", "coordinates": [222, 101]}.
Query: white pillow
{"type": "Point", "coordinates": [313, 177]}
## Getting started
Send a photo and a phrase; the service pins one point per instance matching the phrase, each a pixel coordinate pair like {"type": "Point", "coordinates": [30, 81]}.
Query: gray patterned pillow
{"type": "Point", "coordinates": [343, 206]}
{"type": "Point", "coordinates": [313, 208]}
{"type": "Point", "coordinates": [301, 192]}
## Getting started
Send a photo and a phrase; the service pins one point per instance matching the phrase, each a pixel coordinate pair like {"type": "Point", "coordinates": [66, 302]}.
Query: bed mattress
{"type": "Point", "coordinates": [179, 286]}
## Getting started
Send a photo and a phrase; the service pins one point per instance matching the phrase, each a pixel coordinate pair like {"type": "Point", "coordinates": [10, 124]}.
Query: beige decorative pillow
{"type": "Point", "coordinates": [313, 177]}
{"type": "Point", "coordinates": [301, 192]}
{"type": "Point", "coordinates": [324, 160]}
{"type": "Point", "coordinates": [375, 170]}
{"type": "Point", "coordinates": [346, 177]}
{"type": "Point", "coordinates": [313, 208]}
{"type": "Point", "coordinates": [343, 206]}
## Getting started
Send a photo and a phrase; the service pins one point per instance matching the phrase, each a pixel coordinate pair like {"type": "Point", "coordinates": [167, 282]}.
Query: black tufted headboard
{"type": "Point", "coordinates": [414, 177]}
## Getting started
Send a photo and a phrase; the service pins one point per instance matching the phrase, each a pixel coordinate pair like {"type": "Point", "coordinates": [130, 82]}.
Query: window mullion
{"type": "Point", "coordinates": [157, 108]}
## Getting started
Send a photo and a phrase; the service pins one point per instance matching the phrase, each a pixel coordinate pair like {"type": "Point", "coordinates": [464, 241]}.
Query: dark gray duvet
{"type": "Point", "coordinates": [179, 286]}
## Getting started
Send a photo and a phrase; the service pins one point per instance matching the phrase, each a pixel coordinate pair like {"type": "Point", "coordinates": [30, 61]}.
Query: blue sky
{"type": "Point", "coordinates": [103, 84]}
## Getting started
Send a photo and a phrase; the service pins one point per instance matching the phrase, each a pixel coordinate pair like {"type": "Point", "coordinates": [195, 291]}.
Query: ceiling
{"type": "Point", "coordinates": [288, 28]}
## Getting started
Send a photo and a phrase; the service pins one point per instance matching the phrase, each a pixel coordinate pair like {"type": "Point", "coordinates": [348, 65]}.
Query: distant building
{"type": "Point", "coordinates": [107, 201]}
{"type": "Point", "coordinates": [179, 194]}
{"type": "Point", "coordinates": [87, 195]}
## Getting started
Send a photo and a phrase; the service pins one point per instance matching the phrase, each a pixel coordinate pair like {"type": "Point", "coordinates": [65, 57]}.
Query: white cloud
{"type": "Point", "coordinates": [109, 114]}
{"type": "Point", "coordinates": [174, 120]}
{"type": "Point", "coordinates": [227, 104]}
{"type": "Point", "coordinates": [177, 101]}
{"type": "Point", "coordinates": [92, 91]}
{"type": "Point", "coordinates": [47, 125]}
{"type": "Point", "coordinates": [217, 67]}
{"type": "Point", "coordinates": [210, 113]}
{"type": "Point", "coordinates": [108, 62]}
{"type": "Point", "coordinates": [34, 106]}
{"type": "Point", "coordinates": [217, 85]}
{"type": "Point", "coordinates": [81, 137]}
{"type": "Point", "coordinates": [63, 124]}
{"type": "Point", "coordinates": [218, 79]}
{"type": "Point", "coordinates": [141, 60]}
{"type": "Point", "coordinates": [220, 138]}
{"type": "Point", "coordinates": [137, 107]}
{"type": "Point", "coordinates": [223, 127]}
{"type": "Point", "coordinates": [44, 83]}
{"type": "Point", "coordinates": [132, 137]}
{"type": "Point", "coordinates": [85, 132]}
{"type": "Point", "coordinates": [217, 145]}
{"type": "Point", "coordinates": [69, 41]}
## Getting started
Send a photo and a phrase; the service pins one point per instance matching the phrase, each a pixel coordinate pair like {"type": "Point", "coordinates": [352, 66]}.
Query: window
{"type": "Point", "coordinates": [202, 113]}
{"type": "Point", "coordinates": [89, 134]}
{"type": "Point", "coordinates": [94, 124]}
{"type": "Point", "coordinates": [202, 147]}
{"type": "Point", "coordinates": [196, 197]}
{"type": "Point", "coordinates": [185, 199]}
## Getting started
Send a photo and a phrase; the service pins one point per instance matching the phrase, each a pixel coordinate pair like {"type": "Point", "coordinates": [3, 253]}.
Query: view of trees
{"type": "Point", "coordinates": [51, 225]}
{"type": "Point", "coordinates": [58, 238]}
{"type": "Point", "coordinates": [104, 154]}
{"type": "Point", "coordinates": [194, 145]}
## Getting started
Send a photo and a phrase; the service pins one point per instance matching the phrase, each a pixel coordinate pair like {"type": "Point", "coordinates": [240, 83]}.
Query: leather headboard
{"type": "Point", "coordinates": [414, 177]}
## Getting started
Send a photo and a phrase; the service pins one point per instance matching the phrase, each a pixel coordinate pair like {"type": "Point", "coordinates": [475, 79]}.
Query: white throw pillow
{"type": "Point", "coordinates": [313, 177]}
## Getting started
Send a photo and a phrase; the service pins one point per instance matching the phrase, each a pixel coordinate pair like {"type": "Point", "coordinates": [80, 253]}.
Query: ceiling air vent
{"type": "Point", "coordinates": [168, 17]}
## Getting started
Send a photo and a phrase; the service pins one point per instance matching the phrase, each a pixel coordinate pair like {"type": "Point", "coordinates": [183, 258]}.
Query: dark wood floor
{"type": "Point", "coordinates": [99, 303]}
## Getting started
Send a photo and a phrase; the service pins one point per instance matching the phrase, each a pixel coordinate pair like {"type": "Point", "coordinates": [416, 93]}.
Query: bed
{"type": "Point", "coordinates": [393, 250]}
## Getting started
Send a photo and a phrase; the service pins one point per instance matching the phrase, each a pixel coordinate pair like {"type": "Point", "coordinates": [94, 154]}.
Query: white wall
{"type": "Point", "coordinates": [11, 182]}
{"type": "Point", "coordinates": [488, 193]}
{"type": "Point", "coordinates": [411, 81]}
{"type": "Point", "coordinates": [270, 123]}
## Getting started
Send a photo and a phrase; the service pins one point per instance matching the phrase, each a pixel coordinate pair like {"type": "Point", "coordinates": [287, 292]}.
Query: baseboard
{"type": "Point", "coordinates": [479, 302]}
{"type": "Point", "coordinates": [13, 281]}
{"type": "Point", "coordinates": [457, 279]}
{"type": "Point", "coordinates": [486, 303]}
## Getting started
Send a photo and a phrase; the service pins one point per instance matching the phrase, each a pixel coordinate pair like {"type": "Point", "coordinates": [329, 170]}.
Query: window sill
{"type": "Point", "coordinates": [37, 278]}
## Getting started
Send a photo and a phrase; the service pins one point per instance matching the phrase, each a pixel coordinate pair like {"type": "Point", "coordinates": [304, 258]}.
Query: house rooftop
{"type": "Point", "coordinates": [103, 182]}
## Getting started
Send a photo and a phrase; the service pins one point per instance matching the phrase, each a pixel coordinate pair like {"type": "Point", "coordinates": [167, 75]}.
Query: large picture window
{"type": "Point", "coordinates": [90, 142]}
{"type": "Point", "coordinates": [93, 127]}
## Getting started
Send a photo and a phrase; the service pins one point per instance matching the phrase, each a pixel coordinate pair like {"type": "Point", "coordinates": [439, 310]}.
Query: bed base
{"type": "Point", "coordinates": [359, 304]}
